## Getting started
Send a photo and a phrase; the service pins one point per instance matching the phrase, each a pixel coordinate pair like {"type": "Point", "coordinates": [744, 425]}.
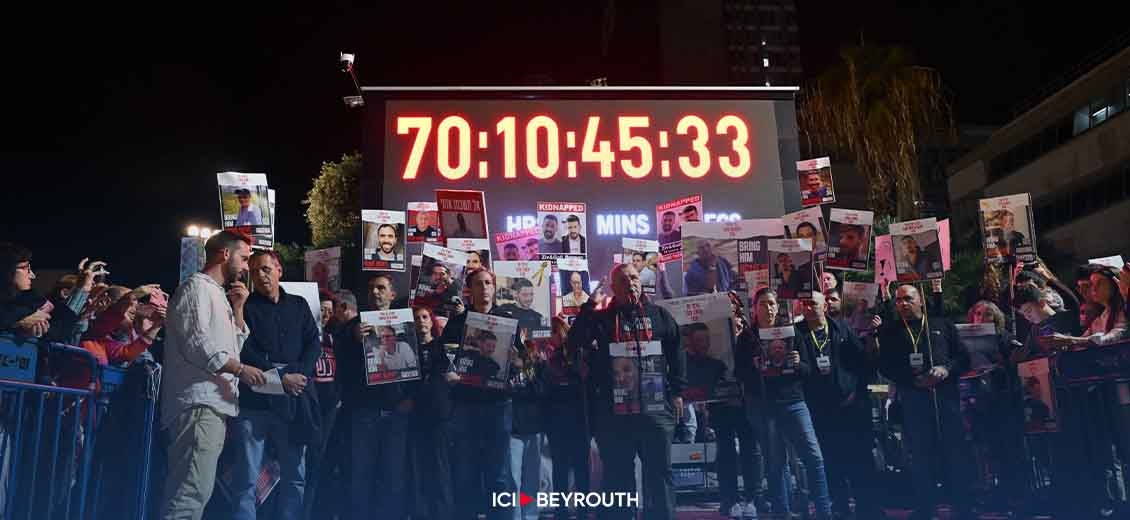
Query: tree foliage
{"type": "Point", "coordinates": [876, 108]}
{"type": "Point", "coordinates": [334, 203]}
{"type": "Point", "coordinates": [292, 257]}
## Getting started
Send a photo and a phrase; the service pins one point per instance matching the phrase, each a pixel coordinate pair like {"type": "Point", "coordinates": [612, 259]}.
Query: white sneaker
{"type": "Point", "coordinates": [749, 511]}
{"type": "Point", "coordinates": [737, 510]}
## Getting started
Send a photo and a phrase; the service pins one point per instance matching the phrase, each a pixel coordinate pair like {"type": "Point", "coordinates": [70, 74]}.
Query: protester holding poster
{"type": "Point", "coordinates": [439, 286]}
{"type": "Point", "coordinates": [383, 247]}
{"type": "Point", "coordinates": [704, 323]}
{"type": "Point", "coordinates": [423, 222]}
{"type": "Point", "coordinates": [323, 266]}
{"type": "Point", "coordinates": [523, 291]}
{"type": "Point", "coordinates": [515, 245]}
{"type": "Point", "coordinates": [815, 178]}
{"type": "Point", "coordinates": [483, 359]}
{"type": "Point", "coordinates": [1006, 225]}
{"type": "Point", "coordinates": [462, 214]}
{"type": "Point", "coordinates": [671, 216]}
{"type": "Point", "coordinates": [644, 256]}
{"type": "Point", "coordinates": [918, 252]}
{"type": "Point", "coordinates": [563, 227]}
{"type": "Point", "coordinates": [245, 206]}
{"type": "Point", "coordinates": [391, 351]}
{"type": "Point", "coordinates": [808, 224]}
{"type": "Point", "coordinates": [790, 269]}
{"type": "Point", "coordinates": [849, 234]}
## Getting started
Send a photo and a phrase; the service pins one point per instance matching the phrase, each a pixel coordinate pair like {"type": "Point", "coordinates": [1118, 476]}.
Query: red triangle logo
{"type": "Point", "coordinates": [524, 499]}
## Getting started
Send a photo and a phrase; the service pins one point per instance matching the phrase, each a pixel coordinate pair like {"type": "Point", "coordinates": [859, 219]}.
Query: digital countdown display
{"type": "Point", "coordinates": [619, 150]}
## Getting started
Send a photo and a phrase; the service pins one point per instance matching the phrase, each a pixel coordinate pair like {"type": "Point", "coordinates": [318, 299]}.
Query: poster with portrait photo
{"type": "Point", "coordinates": [245, 206]}
{"type": "Point", "coordinates": [517, 245]}
{"type": "Point", "coordinates": [416, 261]}
{"type": "Point", "coordinates": [191, 257]}
{"type": "Point", "coordinates": [523, 290]}
{"type": "Point", "coordinates": [644, 256]}
{"type": "Point", "coordinates": [323, 267]}
{"type": "Point", "coordinates": [1008, 229]}
{"type": "Point", "coordinates": [477, 249]}
{"type": "Point", "coordinates": [815, 179]}
{"type": "Point", "coordinates": [982, 343]}
{"type": "Point", "coordinates": [483, 359]}
{"type": "Point", "coordinates": [1040, 411]}
{"type": "Point", "coordinates": [423, 222]}
{"type": "Point", "coordinates": [918, 253]}
{"type": "Point", "coordinates": [440, 283]}
{"type": "Point", "coordinates": [391, 352]}
{"type": "Point", "coordinates": [776, 343]}
{"type": "Point", "coordinates": [791, 268]}
{"type": "Point", "coordinates": [707, 338]}
{"type": "Point", "coordinates": [573, 281]}
{"type": "Point", "coordinates": [384, 240]}
{"type": "Point", "coordinates": [462, 214]}
{"type": "Point", "coordinates": [671, 216]}
{"type": "Point", "coordinates": [849, 239]}
{"type": "Point", "coordinates": [271, 204]}
{"type": "Point", "coordinates": [809, 223]}
{"type": "Point", "coordinates": [858, 300]}
{"type": "Point", "coordinates": [753, 250]}
{"type": "Point", "coordinates": [638, 375]}
{"type": "Point", "coordinates": [562, 227]}
{"type": "Point", "coordinates": [884, 261]}
{"type": "Point", "coordinates": [710, 256]}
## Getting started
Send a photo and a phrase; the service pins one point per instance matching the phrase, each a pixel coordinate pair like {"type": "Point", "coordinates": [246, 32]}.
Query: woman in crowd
{"type": "Point", "coordinates": [22, 311]}
{"type": "Point", "coordinates": [113, 337]}
{"type": "Point", "coordinates": [432, 493]}
{"type": "Point", "coordinates": [1110, 325]}
{"type": "Point", "coordinates": [566, 416]}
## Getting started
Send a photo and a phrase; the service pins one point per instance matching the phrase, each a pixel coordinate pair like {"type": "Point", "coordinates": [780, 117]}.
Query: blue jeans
{"type": "Point", "coordinates": [525, 468]}
{"type": "Point", "coordinates": [793, 422]}
{"type": "Point", "coordinates": [928, 449]}
{"type": "Point", "coordinates": [250, 432]}
{"type": "Point", "coordinates": [481, 456]}
{"type": "Point", "coordinates": [378, 464]}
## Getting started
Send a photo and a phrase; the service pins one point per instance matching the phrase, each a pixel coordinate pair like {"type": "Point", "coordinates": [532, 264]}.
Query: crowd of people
{"type": "Point", "coordinates": [437, 449]}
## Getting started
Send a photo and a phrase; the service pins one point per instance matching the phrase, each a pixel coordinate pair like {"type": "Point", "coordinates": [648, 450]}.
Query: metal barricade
{"type": "Point", "coordinates": [127, 405]}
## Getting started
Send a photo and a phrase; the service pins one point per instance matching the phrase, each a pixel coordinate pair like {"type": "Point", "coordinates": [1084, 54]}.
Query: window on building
{"type": "Point", "coordinates": [1082, 121]}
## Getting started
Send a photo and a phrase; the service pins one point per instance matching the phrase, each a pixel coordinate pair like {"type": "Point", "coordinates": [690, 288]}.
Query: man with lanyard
{"type": "Point", "coordinates": [923, 355]}
{"type": "Point", "coordinates": [632, 329]}
{"type": "Point", "coordinates": [841, 411]}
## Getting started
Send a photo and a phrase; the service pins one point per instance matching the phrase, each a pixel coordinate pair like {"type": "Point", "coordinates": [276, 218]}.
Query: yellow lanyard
{"type": "Point", "coordinates": [819, 346]}
{"type": "Point", "coordinates": [914, 341]}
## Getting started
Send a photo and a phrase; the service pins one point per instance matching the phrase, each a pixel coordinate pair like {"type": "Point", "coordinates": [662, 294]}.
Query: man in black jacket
{"type": "Point", "coordinates": [377, 418]}
{"type": "Point", "coordinates": [647, 336]}
{"type": "Point", "coordinates": [841, 411]}
{"type": "Point", "coordinates": [283, 336]}
{"type": "Point", "coordinates": [924, 355]}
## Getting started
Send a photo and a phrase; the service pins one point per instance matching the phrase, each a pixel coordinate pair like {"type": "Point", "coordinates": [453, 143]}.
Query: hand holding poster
{"type": "Point", "coordinates": [858, 299]}
{"type": "Point", "coordinates": [918, 254]}
{"type": "Point", "coordinates": [1110, 261]}
{"type": "Point", "coordinates": [440, 285]}
{"type": "Point", "coordinates": [815, 178]}
{"type": "Point", "coordinates": [423, 222]}
{"type": "Point", "coordinates": [574, 276]}
{"type": "Point", "coordinates": [391, 351]}
{"type": "Point", "coordinates": [518, 245]}
{"type": "Point", "coordinates": [671, 216]}
{"type": "Point", "coordinates": [563, 227]}
{"type": "Point", "coordinates": [790, 267]}
{"type": "Point", "coordinates": [323, 266]}
{"type": "Point", "coordinates": [1007, 228]}
{"type": "Point", "coordinates": [245, 206]}
{"type": "Point", "coordinates": [704, 322]}
{"type": "Point", "coordinates": [776, 345]}
{"type": "Point", "coordinates": [477, 249]}
{"type": "Point", "coordinates": [462, 214]}
{"type": "Point", "coordinates": [523, 290]}
{"type": "Point", "coordinates": [383, 247]}
{"type": "Point", "coordinates": [644, 256]}
{"type": "Point", "coordinates": [808, 223]}
{"type": "Point", "coordinates": [849, 234]}
{"type": "Point", "coordinates": [483, 360]}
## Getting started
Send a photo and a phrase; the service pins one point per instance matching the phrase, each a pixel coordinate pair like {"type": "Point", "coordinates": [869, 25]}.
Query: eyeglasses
{"type": "Point", "coordinates": [24, 267]}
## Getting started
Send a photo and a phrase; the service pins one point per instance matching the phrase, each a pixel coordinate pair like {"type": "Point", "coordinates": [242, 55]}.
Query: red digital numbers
{"type": "Point", "coordinates": [543, 152]}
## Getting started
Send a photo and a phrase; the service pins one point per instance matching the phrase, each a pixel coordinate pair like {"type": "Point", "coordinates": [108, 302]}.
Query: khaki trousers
{"type": "Point", "coordinates": [196, 438]}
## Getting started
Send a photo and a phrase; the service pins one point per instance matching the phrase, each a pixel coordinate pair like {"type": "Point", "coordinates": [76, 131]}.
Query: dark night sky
{"type": "Point", "coordinates": [117, 120]}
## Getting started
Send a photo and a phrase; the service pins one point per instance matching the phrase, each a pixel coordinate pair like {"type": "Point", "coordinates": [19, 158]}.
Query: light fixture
{"type": "Point", "coordinates": [205, 232]}
{"type": "Point", "coordinates": [192, 231]}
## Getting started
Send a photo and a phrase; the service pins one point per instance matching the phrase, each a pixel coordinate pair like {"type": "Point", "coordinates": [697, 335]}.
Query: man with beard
{"type": "Point", "coordinates": [549, 241]}
{"type": "Point", "coordinates": [708, 272]}
{"type": "Point", "coordinates": [386, 244]}
{"type": "Point", "coordinates": [510, 253]}
{"type": "Point", "coordinates": [574, 241]}
{"type": "Point", "coordinates": [703, 372]}
{"type": "Point", "coordinates": [788, 280]}
{"type": "Point", "coordinates": [668, 232]}
{"type": "Point", "coordinates": [528, 318]}
{"type": "Point", "coordinates": [851, 244]}
{"type": "Point", "coordinates": [813, 190]}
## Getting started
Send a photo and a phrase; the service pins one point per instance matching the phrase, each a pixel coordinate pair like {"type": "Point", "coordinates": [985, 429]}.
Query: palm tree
{"type": "Point", "coordinates": [876, 108]}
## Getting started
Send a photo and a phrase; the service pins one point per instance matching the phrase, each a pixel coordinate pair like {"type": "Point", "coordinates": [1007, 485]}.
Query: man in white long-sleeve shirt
{"type": "Point", "coordinates": [204, 334]}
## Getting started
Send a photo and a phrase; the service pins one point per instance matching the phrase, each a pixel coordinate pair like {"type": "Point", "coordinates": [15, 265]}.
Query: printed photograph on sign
{"type": "Point", "coordinates": [1040, 414]}
{"type": "Point", "coordinates": [414, 277]}
{"type": "Point", "coordinates": [918, 253]}
{"type": "Point", "coordinates": [323, 267]}
{"type": "Point", "coordinates": [477, 249]}
{"type": "Point", "coordinates": [245, 206]}
{"type": "Point", "coordinates": [884, 261]}
{"type": "Point", "coordinates": [191, 257]}
{"type": "Point", "coordinates": [440, 284]}
{"type": "Point", "coordinates": [944, 242]}
{"type": "Point", "coordinates": [644, 256]}
{"type": "Point", "coordinates": [384, 240]}
{"type": "Point", "coordinates": [982, 342]}
{"type": "Point", "coordinates": [462, 214]}
{"type": "Point", "coordinates": [849, 239]}
{"type": "Point", "coordinates": [857, 300]}
{"type": "Point", "coordinates": [517, 245]}
{"type": "Point", "coordinates": [523, 289]}
{"type": "Point", "coordinates": [638, 377]}
{"type": "Point", "coordinates": [809, 224]}
{"type": "Point", "coordinates": [1115, 261]}
{"type": "Point", "coordinates": [671, 216]}
{"type": "Point", "coordinates": [1007, 228]}
{"type": "Point", "coordinates": [710, 257]}
{"type": "Point", "coordinates": [423, 222]}
{"type": "Point", "coordinates": [776, 343]}
{"type": "Point", "coordinates": [391, 350]}
{"type": "Point", "coordinates": [573, 276]}
{"type": "Point", "coordinates": [562, 227]}
{"type": "Point", "coordinates": [790, 268]}
{"type": "Point", "coordinates": [753, 251]}
{"type": "Point", "coordinates": [483, 360]}
{"type": "Point", "coordinates": [707, 338]}
{"type": "Point", "coordinates": [815, 178]}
